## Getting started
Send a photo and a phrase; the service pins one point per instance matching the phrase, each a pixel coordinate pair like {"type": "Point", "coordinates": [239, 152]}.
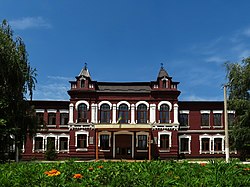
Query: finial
{"type": "Point", "coordinates": [161, 65]}
{"type": "Point", "coordinates": [85, 66]}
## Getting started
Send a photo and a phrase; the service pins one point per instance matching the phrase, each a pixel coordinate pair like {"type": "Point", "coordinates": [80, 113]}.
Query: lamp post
{"type": "Point", "coordinates": [226, 124]}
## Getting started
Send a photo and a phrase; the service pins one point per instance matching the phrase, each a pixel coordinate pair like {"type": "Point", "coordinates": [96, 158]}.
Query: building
{"type": "Point", "coordinates": [128, 120]}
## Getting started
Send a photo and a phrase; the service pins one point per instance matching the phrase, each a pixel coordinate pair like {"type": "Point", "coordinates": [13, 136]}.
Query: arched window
{"type": "Point", "coordinates": [164, 84]}
{"type": "Point", "coordinates": [164, 113]}
{"type": "Point", "coordinates": [105, 113]}
{"type": "Point", "coordinates": [82, 113]}
{"type": "Point", "coordinates": [82, 83]}
{"type": "Point", "coordinates": [123, 113]}
{"type": "Point", "coordinates": [142, 113]}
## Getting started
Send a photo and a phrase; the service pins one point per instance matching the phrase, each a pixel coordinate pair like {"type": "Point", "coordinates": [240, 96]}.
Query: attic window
{"type": "Point", "coordinates": [164, 84]}
{"type": "Point", "coordinates": [82, 83]}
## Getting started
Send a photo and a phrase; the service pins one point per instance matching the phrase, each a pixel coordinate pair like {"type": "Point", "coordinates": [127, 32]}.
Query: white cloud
{"type": "Point", "coordinates": [59, 78]}
{"type": "Point", "coordinates": [216, 59]}
{"type": "Point", "coordinates": [29, 23]}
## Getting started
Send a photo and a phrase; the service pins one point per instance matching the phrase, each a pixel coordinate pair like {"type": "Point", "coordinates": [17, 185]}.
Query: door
{"type": "Point", "coordinates": [123, 146]}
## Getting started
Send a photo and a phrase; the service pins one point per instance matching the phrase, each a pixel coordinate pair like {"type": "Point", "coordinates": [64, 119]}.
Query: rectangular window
{"type": "Point", "coordinates": [63, 143]}
{"type": "Point", "coordinates": [104, 141]}
{"type": "Point", "coordinates": [205, 120]}
{"type": "Point", "coordinates": [51, 118]}
{"type": "Point", "coordinates": [218, 144]}
{"type": "Point", "coordinates": [40, 118]}
{"type": "Point", "coordinates": [164, 141]}
{"type": "Point", "coordinates": [183, 119]}
{"type": "Point", "coordinates": [217, 119]}
{"type": "Point", "coordinates": [205, 144]}
{"type": "Point", "coordinates": [142, 141]}
{"type": "Point", "coordinates": [231, 118]}
{"type": "Point", "coordinates": [38, 143]}
{"type": "Point", "coordinates": [184, 145]}
{"type": "Point", "coordinates": [64, 118]}
{"type": "Point", "coordinates": [51, 143]}
{"type": "Point", "coordinates": [81, 141]}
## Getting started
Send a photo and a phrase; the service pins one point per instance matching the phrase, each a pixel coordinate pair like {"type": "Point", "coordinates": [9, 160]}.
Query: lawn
{"type": "Point", "coordinates": [153, 173]}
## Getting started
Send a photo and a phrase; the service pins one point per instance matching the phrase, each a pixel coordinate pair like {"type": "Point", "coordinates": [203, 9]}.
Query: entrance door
{"type": "Point", "coordinates": [123, 146]}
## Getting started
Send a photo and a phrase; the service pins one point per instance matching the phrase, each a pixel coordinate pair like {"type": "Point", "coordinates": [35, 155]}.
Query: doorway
{"type": "Point", "coordinates": [123, 146]}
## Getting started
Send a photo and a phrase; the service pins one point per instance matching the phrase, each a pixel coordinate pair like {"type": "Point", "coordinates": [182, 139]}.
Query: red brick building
{"type": "Point", "coordinates": [130, 120]}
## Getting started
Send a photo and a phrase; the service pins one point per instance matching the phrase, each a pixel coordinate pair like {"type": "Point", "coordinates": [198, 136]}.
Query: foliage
{"type": "Point", "coordinates": [154, 173]}
{"type": "Point", "coordinates": [17, 79]}
{"type": "Point", "coordinates": [238, 75]}
{"type": "Point", "coordinates": [50, 154]}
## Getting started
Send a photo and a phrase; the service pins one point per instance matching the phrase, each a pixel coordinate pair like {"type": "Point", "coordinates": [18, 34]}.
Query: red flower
{"type": "Point", "coordinates": [203, 164]}
{"type": "Point", "coordinates": [100, 167]}
{"type": "Point", "coordinates": [77, 176]}
{"type": "Point", "coordinates": [91, 169]}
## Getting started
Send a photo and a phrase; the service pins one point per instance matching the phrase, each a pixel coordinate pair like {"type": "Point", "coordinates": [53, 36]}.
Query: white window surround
{"type": "Point", "coordinates": [87, 140]}
{"type": "Point", "coordinates": [205, 111]}
{"type": "Point", "coordinates": [211, 143]}
{"type": "Point", "coordinates": [104, 102]}
{"type": "Point", "coordinates": [141, 133]}
{"type": "Point", "coordinates": [217, 111]}
{"type": "Point", "coordinates": [142, 102]}
{"type": "Point", "coordinates": [50, 135]}
{"type": "Point", "coordinates": [64, 111]}
{"type": "Point", "coordinates": [165, 133]}
{"type": "Point", "coordinates": [39, 110]}
{"type": "Point", "coordinates": [63, 136]}
{"type": "Point", "coordinates": [99, 139]}
{"type": "Point", "coordinates": [184, 112]}
{"type": "Point", "coordinates": [51, 110]}
{"type": "Point", "coordinates": [202, 137]}
{"type": "Point", "coordinates": [123, 132]}
{"type": "Point", "coordinates": [231, 112]}
{"type": "Point", "coordinates": [123, 102]}
{"type": "Point", "coordinates": [81, 102]}
{"type": "Point", "coordinates": [37, 136]}
{"type": "Point", "coordinates": [189, 143]}
{"type": "Point", "coordinates": [165, 102]}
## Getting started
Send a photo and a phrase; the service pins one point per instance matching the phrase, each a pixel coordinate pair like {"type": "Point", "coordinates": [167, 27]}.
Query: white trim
{"type": "Point", "coordinates": [231, 112]}
{"type": "Point", "coordinates": [39, 110]}
{"type": "Point", "coordinates": [51, 110]}
{"type": "Point", "coordinates": [104, 133]}
{"type": "Point", "coordinates": [63, 136]}
{"type": "Point", "coordinates": [104, 102]}
{"type": "Point", "coordinates": [189, 143]}
{"type": "Point", "coordinates": [165, 102]}
{"type": "Point", "coordinates": [37, 136]}
{"type": "Point", "coordinates": [123, 102]}
{"type": "Point", "coordinates": [142, 102]}
{"type": "Point", "coordinates": [164, 133]}
{"type": "Point", "coordinates": [50, 135]}
{"type": "Point", "coordinates": [210, 143]}
{"type": "Point", "coordinates": [64, 111]}
{"type": "Point", "coordinates": [123, 132]}
{"type": "Point", "coordinates": [205, 111]}
{"type": "Point", "coordinates": [81, 102]}
{"type": "Point", "coordinates": [184, 112]}
{"type": "Point", "coordinates": [217, 111]}
{"type": "Point", "coordinates": [87, 140]}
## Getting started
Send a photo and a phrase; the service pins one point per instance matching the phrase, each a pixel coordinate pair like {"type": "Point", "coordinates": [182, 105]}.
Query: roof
{"type": "Point", "coordinates": [85, 72]}
{"type": "Point", "coordinates": [162, 73]}
{"type": "Point", "coordinates": [124, 87]}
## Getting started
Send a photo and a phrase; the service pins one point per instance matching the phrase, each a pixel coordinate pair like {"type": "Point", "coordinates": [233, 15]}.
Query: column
{"type": "Point", "coordinates": [94, 113]}
{"type": "Point", "coordinates": [132, 114]}
{"type": "Point", "coordinates": [176, 113]}
{"type": "Point", "coordinates": [114, 114]}
{"type": "Point", "coordinates": [152, 113]}
{"type": "Point", "coordinates": [149, 145]}
{"type": "Point", "coordinates": [96, 145]}
{"type": "Point", "coordinates": [71, 112]}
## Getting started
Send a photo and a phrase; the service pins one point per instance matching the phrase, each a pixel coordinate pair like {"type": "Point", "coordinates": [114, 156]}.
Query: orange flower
{"type": "Point", "coordinates": [91, 169]}
{"type": "Point", "coordinates": [100, 167]}
{"type": "Point", "coordinates": [52, 173]}
{"type": "Point", "coordinates": [246, 169]}
{"type": "Point", "coordinates": [203, 164]}
{"type": "Point", "coordinates": [77, 176]}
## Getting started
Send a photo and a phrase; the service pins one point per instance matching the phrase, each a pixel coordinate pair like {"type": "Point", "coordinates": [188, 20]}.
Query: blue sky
{"type": "Point", "coordinates": [126, 40]}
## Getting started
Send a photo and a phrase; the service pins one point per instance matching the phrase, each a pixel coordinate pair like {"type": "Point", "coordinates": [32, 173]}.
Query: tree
{"type": "Point", "coordinates": [238, 75]}
{"type": "Point", "coordinates": [17, 79]}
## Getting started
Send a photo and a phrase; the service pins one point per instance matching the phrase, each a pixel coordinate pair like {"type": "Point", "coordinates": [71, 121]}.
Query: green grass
{"type": "Point", "coordinates": [154, 173]}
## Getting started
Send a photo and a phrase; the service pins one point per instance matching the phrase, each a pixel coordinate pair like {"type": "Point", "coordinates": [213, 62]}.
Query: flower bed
{"type": "Point", "coordinates": [154, 173]}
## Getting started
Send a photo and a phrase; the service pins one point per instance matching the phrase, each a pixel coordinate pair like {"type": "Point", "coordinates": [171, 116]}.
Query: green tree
{"type": "Point", "coordinates": [17, 79]}
{"type": "Point", "coordinates": [238, 75]}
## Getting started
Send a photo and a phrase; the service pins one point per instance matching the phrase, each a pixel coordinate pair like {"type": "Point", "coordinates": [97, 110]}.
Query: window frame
{"type": "Point", "coordinates": [86, 133]}
{"type": "Point", "coordinates": [170, 141]}
{"type": "Point", "coordinates": [123, 112]}
{"type": "Point", "coordinates": [166, 113]}
{"type": "Point", "coordinates": [189, 144]}
{"type": "Point", "coordinates": [82, 113]}
{"type": "Point", "coordinates": [142, 114]}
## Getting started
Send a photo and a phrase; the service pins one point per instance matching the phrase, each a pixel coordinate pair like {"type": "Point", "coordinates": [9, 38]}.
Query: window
{"type": "Point", "coordinates": [217, 119]}
{"type": "Point", "coordinates": [40, 118]}
{"type": "Point", "coordinates": [183, 119]}
{"type": "Point", "coordinates": [105, 113]}
{"type": "Point", "coordinates": [164, 84]}
{"type": "Point", "coordinates": [51, 143]}
{"type": "Point", "coordinates": [205, 142]}
{"type": "Point", "coordinates": [38, 143]}
{"type": "Point", "coordinates": [81, 141]}
{"type": "Point", "coordinates": [231, 118]}
{"type": "Point", "coordinates": [164, 141]}
{"type": "Point", "coordinates": [64, 118]}
{"type": "Point", "coordinates": [123, 113]}
{"type": "Point", "coordinates": [82, 83]}
{"type": "Point", "coordinates": [184, 144]}
{"type": "Point", "coordinates": [142, 141]}
{"type": "Point", "coordinates": [142, 113]}
{"type": "Point", "coordinates": [218, 144]}
{"type": "Point", "coordinates": [63, 143]}
{"type": "Point", "coordinates": [82, 113]}
{"type": "Point", "coordinates": [104, 141]}
{"type": "Point", "coordinates": [164, 113]}
{"type": "Point", "coordinates": [205, 119]}
{"type": "Point", "coordinates": [51, 118]}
